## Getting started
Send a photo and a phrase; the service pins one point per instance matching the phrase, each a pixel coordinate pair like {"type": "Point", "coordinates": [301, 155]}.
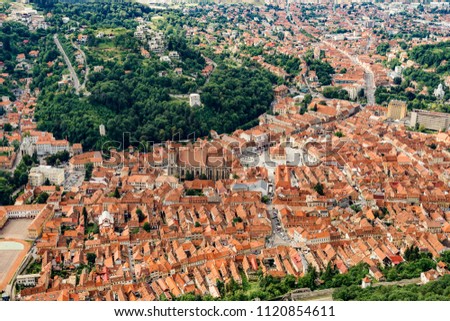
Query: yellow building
{"type": "Point", "coordinates": [36, 227]}
{"type": "Point", "coordinates": [396, 109]}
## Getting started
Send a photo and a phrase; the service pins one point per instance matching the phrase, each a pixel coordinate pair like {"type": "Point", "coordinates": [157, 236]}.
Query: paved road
{"type": "Point", "coordinates": [73, 74]}
{"type": "Point", "coordinates": [370, 87]}
{"type": "Point", "coordinates": [368, 74]}
{"type": "Point", "coordinates": [276, 238]}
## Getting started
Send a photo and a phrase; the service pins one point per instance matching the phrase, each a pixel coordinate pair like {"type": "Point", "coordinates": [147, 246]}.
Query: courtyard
{"type": "Point", "coordinates": [16, 229]}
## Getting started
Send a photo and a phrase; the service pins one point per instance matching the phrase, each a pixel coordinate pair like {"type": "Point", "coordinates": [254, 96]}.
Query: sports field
{"type": "Point", "coordinates": [11, 255]}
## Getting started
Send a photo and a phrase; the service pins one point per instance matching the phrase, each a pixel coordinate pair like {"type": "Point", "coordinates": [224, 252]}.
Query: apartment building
{"type": "Point", "coordinates": [38, 175]}
{"type": "Point", "coordinates": [430, 119]}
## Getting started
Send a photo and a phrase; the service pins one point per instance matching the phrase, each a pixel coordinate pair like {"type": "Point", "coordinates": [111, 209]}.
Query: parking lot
{"type": "Point", "coordinates": [73, 179]}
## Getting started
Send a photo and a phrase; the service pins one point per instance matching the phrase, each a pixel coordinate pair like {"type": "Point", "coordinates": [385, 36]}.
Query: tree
{"type": "Point", "coordinates": [221, 287]}
{"type": "Point", "coordinates": [20, 176]}
{"type": "Point", "coordinates": [289, 282]}
{"type": "Point", "coordinates": [5, 191]}
{"type": "Point", "coordinates": [303, 110]}
{"type": "Point", "coordinates": [323, 70]}
{"type": "Point", "coordinates": [16, 145]}
{"type": "Point", "coordinates": [89, 167]}
{"type": "Point", "coordinates": [42, 198]}
{"type": "Point", "coordinates": [57, 158]}
{"type": "Point", "coordinates": [197, 224]}
{"type": "Point", "coordinates": [403, 45]}
{"type": "Point", "coordinates": [116, 193]}
{"type": "Point", "coordinates": [237, 219]}
{"type": "Point", "coordinates": [336, 92]}
{"type": "Point", "coordinates": [34, 158]}
{"type": "Point", "coordinates": [188, 297]}
{"type": "Point", "coordinates": [445, 257]}
{"type": "Point", "coordinates": [307, 100]}
{"type": "Point", "coordinates": [91, 257]}
{"type": "Point", "coordinates": [140, 215]}
{"type": "Point", "coordinates": [309, 280]}
{"type": "Point", "coordinates": [329, 273]}
{"type": "Point", "coordinates": [189, 176]}
{"type": "Point", "coordinates": [7, 127]}
{"type": "Point", "coordinates": [319, 189]}
{"type": "Point", "coordinates": [411, 253]}
{"type": "Point", "coordinates": [146, 227]}
{"type": "Point", "coordinates": [339, 134]}
{"type": "Point", "coordinates": [383, 48]}
{"type": "Point", "coordinates": [85, 214]}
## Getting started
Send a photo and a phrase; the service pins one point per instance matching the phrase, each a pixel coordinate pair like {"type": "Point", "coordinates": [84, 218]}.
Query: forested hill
{"type": "Point", "coordinates": [432, 55]}
{"type": "Point", "coordinates": [138, 102]}
{"type": "Point", "coordinates": [233, 98]}
{"type": "Point", "coordinates": [144, 95]}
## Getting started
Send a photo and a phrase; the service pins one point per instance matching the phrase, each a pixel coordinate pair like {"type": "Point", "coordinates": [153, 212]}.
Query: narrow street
{"type": "Point", "coordinates": [279, 235]}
